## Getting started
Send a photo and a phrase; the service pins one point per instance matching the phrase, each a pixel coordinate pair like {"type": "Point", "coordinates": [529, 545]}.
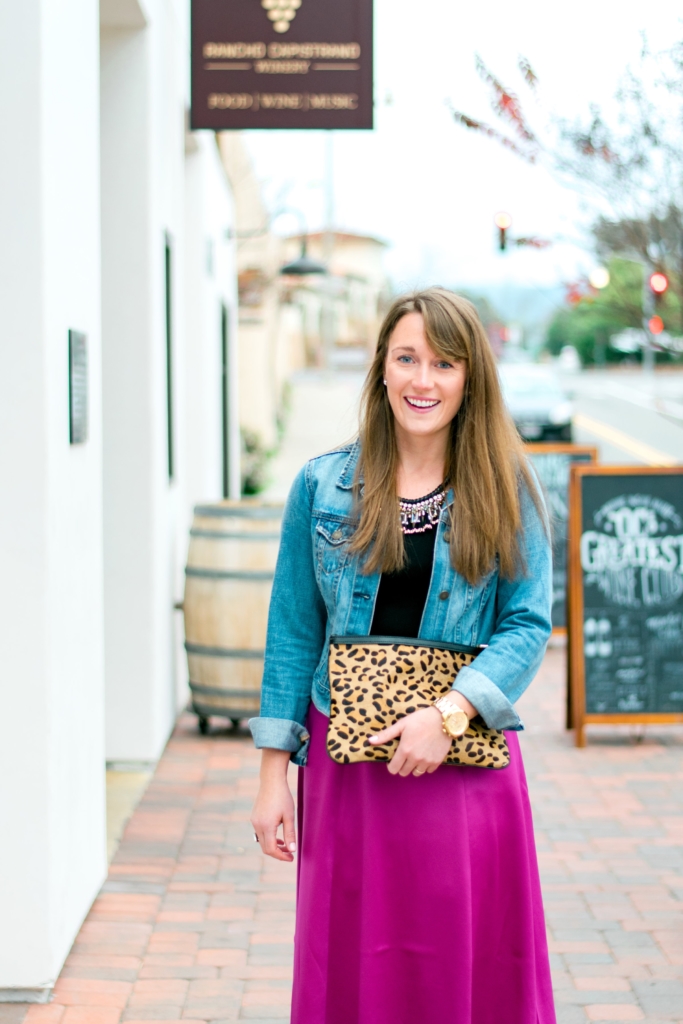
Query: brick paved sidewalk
{"type": "Point", "coordinates": [194, 924]}
{"type": "Point", "coordinates": [609, 831]}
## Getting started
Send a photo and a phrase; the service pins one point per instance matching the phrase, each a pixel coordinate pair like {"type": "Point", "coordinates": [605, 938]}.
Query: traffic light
{"type": "Point", "coordinates": [503, 221]}
{"type": "Point", "coordinates": [658, 284]}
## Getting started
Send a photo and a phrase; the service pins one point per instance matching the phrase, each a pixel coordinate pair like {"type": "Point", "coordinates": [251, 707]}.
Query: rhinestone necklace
{"type": "Point", "coordinates": [421, 514]}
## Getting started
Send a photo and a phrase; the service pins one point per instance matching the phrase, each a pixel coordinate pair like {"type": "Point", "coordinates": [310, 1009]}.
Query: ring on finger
{"type": "Point", "coordinates": [256, 838]}
{"type": "Point", "coordinates": [419, 771]}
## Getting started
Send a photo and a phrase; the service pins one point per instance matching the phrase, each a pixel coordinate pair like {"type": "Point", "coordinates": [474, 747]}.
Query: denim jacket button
{"type": "Point", "coordinates": [447, 536]}
{"type": "Point", "coordinates": [337, 535]}
{"type": "Point", "coordinates": [444, 595]}
{"type": "Point", "coordinates": [304, 738]}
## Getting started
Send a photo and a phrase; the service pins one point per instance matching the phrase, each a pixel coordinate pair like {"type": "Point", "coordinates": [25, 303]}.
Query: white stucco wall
{"type": "Point", "coordinates": [93, 536]}
{"type": "Point", "coordinates": [153, 189]}
{"type": "Point", "coordinates": [210, 282]}
{"type": "Point", "coordinates": [210, 286]}
{"type": "Point", "coordinates": [137, 493]}
{"type": "Point", "coordinates": [52, 857]}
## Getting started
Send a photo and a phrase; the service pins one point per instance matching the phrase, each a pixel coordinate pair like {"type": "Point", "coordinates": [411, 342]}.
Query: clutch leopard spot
{"type": "Point", "coordinates": [373, 685]}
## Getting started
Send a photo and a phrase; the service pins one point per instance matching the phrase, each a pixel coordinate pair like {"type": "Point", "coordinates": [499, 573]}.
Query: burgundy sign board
{"type": "Point", "coordinates": [281, 64]}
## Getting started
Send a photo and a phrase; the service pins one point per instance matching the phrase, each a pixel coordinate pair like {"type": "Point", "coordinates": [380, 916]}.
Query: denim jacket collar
{"type": "Point", "coordinates": [345, 481]}
{"type": "Point", "coordinates": [347, 474]}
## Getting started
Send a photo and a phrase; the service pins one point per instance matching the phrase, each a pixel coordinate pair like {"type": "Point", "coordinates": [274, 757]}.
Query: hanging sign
{"type": "Point", "coordinates": [281, 64]}
{"type": "Point", "coordinates": [625, 595]}
{"type": "Point", "coordinates": [552, 462]}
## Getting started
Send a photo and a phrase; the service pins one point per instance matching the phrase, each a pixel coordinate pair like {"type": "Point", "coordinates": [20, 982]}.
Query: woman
{"type": "Point", "coordinates": [418, 895]}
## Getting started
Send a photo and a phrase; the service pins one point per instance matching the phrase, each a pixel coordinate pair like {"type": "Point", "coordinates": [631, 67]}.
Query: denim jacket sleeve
{"type": "Point", "coordinates": [296, 631]}
{"type": "Point", "coordinates": [522, 626]}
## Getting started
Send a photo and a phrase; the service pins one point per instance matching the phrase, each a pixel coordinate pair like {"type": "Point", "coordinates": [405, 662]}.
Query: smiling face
{"type": "Point", "coordinates": [425, 390]}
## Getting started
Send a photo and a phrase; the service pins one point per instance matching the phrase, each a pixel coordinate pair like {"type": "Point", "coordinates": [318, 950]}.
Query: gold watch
{"type": "Point", "coordinates": [455, 720]}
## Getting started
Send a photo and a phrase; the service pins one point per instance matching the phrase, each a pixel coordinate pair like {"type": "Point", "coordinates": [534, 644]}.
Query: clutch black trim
{"type": "Point", "coordinates": [441, 645]}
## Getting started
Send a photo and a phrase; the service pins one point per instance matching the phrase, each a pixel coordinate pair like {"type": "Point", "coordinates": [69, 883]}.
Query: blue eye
{"type": "Point", "coordinates": [444, 364]}
{"type": "Point", "coordinates": [407, 359]}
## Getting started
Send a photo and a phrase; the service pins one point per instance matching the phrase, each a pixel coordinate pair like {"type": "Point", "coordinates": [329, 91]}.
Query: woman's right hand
{"type": "Point", "coordinates": [274, 807]}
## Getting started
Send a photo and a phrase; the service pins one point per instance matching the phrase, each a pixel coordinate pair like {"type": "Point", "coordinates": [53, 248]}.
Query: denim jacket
{"type": "Point", "coordinates": [320, 590]}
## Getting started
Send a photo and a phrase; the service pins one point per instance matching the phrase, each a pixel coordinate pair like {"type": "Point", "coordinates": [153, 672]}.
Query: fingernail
{"type": "Point", "coordinates": [373, 739]}
{"type": "Point", "coordinates": [292, 847]}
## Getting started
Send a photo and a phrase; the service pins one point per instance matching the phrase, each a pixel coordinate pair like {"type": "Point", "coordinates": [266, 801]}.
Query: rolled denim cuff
{"type": "Point", "coordinates": [279, 734]}
{"type": "Point", "coordinates": [488, 699]}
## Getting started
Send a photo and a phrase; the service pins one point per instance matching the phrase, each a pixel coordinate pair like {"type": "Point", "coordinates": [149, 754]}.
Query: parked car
{"type": "Point", "coordinates": [538, 405]}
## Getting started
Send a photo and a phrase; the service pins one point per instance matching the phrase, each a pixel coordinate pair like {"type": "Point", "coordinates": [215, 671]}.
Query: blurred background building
{"type": "Point", "coordinates": [353, 297]}
{"type": "Point", "coordinates": [290, 321]}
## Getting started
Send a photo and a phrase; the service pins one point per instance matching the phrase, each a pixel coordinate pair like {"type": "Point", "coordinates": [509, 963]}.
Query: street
{"type": "Point", "coordinates": [632, 418]}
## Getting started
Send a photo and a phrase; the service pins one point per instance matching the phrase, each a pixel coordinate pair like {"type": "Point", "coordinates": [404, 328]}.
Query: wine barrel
{"type": "Point", "coordinates": [228, 580]}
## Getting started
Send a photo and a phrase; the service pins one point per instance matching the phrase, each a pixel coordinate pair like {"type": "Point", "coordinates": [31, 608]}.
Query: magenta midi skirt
{"type": "Point", "coordinates": [418, 899]}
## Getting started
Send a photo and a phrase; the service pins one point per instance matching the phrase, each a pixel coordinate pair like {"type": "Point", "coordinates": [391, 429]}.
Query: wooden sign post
{"type": "Point", "coordinates": [625, 619]}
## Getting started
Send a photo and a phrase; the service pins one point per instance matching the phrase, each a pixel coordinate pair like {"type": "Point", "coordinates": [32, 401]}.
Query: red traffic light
{"type": "Point", "coordinates": [659, 283]}
{"type": "Point", "coordinates": [656, 324]}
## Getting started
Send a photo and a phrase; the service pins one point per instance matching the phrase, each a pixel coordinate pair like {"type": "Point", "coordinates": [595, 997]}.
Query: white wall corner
{"type": "Point", "coordinates": [130, 14]}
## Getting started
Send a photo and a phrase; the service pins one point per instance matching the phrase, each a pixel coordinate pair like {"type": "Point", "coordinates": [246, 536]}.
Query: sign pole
{"type": "Point", "coordinates": [328, 252]}
{"type": "Point", "coordinates": [576, 710]}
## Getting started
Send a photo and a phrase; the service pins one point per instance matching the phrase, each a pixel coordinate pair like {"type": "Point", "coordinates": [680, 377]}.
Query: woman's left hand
{"type": "Point", "coordinates": [423, 744]}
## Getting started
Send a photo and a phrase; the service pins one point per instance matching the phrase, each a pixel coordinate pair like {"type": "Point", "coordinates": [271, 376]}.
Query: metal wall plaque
{"type": "Point", "coordinates": [282, 64]}
{"type": "Point", "coordinates": [78, 387]}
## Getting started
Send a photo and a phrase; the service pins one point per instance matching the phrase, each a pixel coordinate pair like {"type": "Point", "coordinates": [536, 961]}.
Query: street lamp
{"type": "Point", "coordinates": [303, 264]}
{"type": "Point", "coordinates": [599, 278]}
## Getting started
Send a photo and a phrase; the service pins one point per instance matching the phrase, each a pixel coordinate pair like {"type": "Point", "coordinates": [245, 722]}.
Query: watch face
{"type": "Point", "coordinates": [456, 724]}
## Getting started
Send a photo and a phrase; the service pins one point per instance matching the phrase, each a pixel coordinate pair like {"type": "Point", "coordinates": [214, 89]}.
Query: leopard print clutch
{"type": "Point", "coordinates": [374, 681]}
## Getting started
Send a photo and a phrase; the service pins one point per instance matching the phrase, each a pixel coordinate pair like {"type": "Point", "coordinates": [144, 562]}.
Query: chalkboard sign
{"type": "Point", "coordinates": [626, 595]}
{"type": "Point", "coordinates": [552, 462]}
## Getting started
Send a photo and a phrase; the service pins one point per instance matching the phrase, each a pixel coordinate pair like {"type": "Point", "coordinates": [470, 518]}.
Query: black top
{"type": "Point", "coordinates": [402, 595]}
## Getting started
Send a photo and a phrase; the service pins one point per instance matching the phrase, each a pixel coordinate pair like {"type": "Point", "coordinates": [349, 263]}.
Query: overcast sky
{"type": "Point", "coordinates": [428, 187]}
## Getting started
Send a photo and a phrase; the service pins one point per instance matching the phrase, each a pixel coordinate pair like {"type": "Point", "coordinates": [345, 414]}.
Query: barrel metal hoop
{"type": "Point", "coordinates": [217, 535]}
{"type": "Point", "coordinates": [255, 512]}
{"type": "Point", "coordinates": [224, 652]}
{"type": "Point", "coordinates": [214, 691]}
{"type": "Point", "coordinates": [255, 575]}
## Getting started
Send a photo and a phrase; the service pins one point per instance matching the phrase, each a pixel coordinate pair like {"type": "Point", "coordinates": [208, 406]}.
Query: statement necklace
{"type": "Point", "coordinates": [421, 514]}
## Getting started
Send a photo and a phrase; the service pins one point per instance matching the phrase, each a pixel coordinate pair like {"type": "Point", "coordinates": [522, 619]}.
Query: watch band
{"type": "Point", "coordinates": [449, 709]}
{"type": "Point", "coordinates": [447, 706]}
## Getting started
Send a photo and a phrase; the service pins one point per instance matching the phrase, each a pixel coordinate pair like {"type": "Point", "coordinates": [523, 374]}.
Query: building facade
{"type": "Point", "coordinates": [118, 411]}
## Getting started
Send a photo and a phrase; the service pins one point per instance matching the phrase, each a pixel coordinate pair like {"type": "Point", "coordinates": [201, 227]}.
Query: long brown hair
{"type": "Point", "coordinates": [485, 459]}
